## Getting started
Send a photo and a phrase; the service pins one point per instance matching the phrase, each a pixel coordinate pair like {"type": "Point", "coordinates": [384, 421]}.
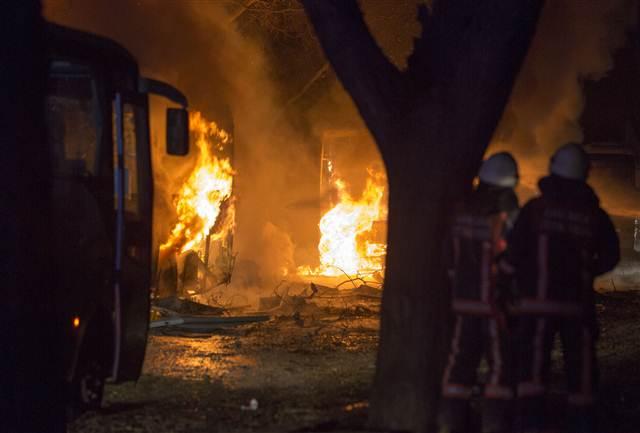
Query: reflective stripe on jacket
{"type": "Point", "coordinates": [560, 242]}
{"type": "Point", "coordinates": [477, 238]}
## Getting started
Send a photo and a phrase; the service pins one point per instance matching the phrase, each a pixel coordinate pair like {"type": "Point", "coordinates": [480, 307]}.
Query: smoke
{"type": "Point", "coordinates": [226, 74]}
{"type": "Point", "coordinates": [394, 26]}
{"type": "Point", "coordinates": [276, 165]}
{"type": "Point", "coordinates": [196, 47]}
{"type": "Point", "coordinates": [575, 41]}
{"type": "Point", "coordinates": [276, 250]}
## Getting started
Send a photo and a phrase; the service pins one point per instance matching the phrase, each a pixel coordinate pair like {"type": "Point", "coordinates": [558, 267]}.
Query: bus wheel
{"type": "Point", "coordinates": [86, 391]}
{"type": "Point", "coordinates": [87, 386]}
{"type": "Point", "coordinates": [90, 386]}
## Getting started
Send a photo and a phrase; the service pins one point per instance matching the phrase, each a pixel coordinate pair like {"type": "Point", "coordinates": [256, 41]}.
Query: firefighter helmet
{"type": "Point", "coordinates": [571, 162]}
{"type": "Point", "coordinates": [500, 169]}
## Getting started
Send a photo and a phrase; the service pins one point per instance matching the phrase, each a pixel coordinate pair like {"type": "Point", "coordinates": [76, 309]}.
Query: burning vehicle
{"type": "Point", "coordinates": [197, 254]}
{"type": "Point", "coordinates": [352, 229]}
{"type": "Point", "coordinates": [97, 112]}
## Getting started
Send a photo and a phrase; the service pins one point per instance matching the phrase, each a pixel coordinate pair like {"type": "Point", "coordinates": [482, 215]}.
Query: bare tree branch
{"type": "Point", "coordinates": [279, 11]}
{"type": "Point", "coordinates": [281, 17]}
{"type": "Point", "coordinates": [372, 80]}
{"type": "Point", "coordinates": [243, 8]}
{"type": "Point", "coordinates": [323, 69]}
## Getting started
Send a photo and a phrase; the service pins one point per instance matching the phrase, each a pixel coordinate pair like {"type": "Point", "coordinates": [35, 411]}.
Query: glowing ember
{"type": "Point", "coordinates": [202, 197]}
{"type": "Point", "coordinates": [347, 244]}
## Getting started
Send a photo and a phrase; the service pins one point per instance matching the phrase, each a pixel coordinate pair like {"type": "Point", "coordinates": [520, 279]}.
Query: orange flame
{"type": "Point", "coordinates": [347, 244]}
{"type": "Point", "coordinates": [203, 196]}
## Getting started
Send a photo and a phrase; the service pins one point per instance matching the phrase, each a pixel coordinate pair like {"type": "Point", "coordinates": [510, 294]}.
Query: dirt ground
{"type": "Point", "coordinates": [619, 360]}
{"type": "Point", "coordinates": [303, 370]}
{"type": "Point", "coordinates": [312, 372]}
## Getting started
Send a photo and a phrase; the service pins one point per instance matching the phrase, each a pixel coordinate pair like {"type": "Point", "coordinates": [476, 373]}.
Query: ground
{"type": "Point", "coordinates": [304, 371]}
{"type": "Point", "coordinates": [619, 357]}
{"type": "Point", "coordinates": [312, 372]}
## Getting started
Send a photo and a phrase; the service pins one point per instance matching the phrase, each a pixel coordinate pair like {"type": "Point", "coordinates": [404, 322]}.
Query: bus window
{"type": "Point", "coordinates": [73, 120]}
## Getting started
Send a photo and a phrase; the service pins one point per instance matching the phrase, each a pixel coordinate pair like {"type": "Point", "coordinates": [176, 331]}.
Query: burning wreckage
{"type": "Point", "coordinates": [196, 263]}
{"type": "Point", "coordinates": [201, 241]}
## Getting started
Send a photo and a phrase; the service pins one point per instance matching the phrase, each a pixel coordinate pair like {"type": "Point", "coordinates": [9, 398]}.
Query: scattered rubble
{"type": "Point", "coordinates": [188, 316]}
{"type": "Point", "coordinates": [205, 323]}
{"type": "Point", "coordinates": [253, 405]}
{"type": "Point", "coordinates": [305, 304]}
{"type": "Point", "coordinates": [178, 305]}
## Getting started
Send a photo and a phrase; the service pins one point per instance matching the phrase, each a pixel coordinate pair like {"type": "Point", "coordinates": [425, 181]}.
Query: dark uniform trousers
{"type": "Point", "coordinates": [478, 336]}
{"type": "Point", "coordinates": [536, 335]}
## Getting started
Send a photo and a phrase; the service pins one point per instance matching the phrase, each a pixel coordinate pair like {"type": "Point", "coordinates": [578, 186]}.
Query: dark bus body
{"type": "Point", "coordinates": [97, 112]}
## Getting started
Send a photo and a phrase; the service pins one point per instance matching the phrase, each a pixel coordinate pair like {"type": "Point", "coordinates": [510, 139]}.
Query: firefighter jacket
{"type": "Point", "coordinates": [478, 237]}
{"type": "Point", "coordinates": [560, 242]}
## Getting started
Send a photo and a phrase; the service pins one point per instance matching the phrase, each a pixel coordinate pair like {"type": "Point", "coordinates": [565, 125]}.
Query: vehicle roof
{"type": "Point", "coordinates": [100, 52]}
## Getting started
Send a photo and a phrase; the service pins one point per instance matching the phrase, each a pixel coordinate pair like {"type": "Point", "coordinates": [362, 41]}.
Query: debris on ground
{"type": "Point", "coordinates": [192, 317]}
{"type": "Point", "coordinates": [253, 405]}
{"type": "Point", "coordinates": [312, 370]}
{"type": "Point", "coordinates": [205, 323]}
{"type": "Point", "coordinates": [185, 306]}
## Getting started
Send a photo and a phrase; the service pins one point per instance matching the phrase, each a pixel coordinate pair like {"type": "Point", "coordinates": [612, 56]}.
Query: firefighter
{"type": "Point", "coordinates": [560, 242]}
{"type": "Point", "coordinates": [478, 237]}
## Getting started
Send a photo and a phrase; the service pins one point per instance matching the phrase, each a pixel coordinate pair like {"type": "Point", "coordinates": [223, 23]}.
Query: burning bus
{"type": "Point", "coordinates": [97, 113]}
{"type": "Point", "coordinates": [352, 228]}
{"type": "Point", "coordinates": [197, 253]}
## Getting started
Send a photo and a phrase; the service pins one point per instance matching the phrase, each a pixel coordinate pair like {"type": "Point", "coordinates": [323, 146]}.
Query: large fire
{"type": "Point", "coordinates": [203, 197]}
{"type": "Point", "coordinates": [348, 243]}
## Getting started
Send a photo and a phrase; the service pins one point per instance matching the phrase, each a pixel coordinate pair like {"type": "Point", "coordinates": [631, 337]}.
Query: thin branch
{"type": "Point", "coordinates": [323, 69]}
{"type": "Point", "coordinates": [245, 7]}
{"type": "Point", "coordinates": [277, 11]}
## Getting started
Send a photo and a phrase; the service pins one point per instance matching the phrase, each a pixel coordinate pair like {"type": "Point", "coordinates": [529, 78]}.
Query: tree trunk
{"type": "Point", "coordinates": [414, 315]}
{"type": "Point", "coordinates": [432, 124]}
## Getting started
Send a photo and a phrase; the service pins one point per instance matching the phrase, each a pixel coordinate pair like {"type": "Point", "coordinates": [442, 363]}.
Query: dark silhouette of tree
{"type": "Point", "coordinates": [432, 123]}
{"type": "Point", "coordinates": [31, 396]}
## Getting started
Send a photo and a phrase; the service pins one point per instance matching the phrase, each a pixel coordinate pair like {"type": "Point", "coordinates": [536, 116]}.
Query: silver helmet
{"type": "Point", "coordinates": [571, 162]}
{"type": "Point", "coordinates": [500, 169]}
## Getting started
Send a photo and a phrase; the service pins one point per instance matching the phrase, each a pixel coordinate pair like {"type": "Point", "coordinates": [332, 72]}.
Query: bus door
{"type": "Point", "coordinates": [133, 205]}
